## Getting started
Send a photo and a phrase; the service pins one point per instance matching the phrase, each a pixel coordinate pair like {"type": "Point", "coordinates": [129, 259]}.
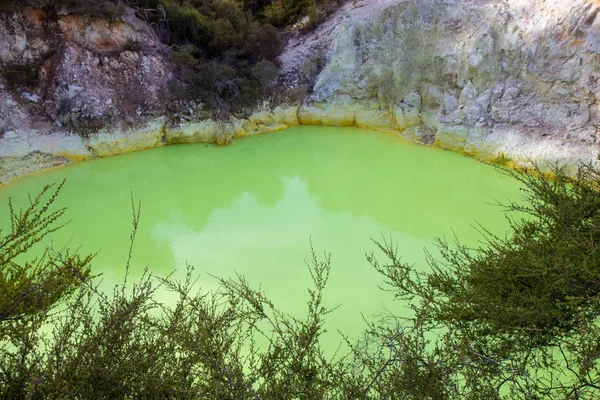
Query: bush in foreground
{"type": "Point", "coordinates": [516, 318]}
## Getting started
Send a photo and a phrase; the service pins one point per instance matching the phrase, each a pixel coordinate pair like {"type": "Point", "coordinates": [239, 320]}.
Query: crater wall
{"type": "Point", "coordinates": [509, 81]}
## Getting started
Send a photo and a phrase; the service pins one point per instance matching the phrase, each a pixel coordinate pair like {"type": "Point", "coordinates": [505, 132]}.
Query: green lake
{"type": "Point", "coordinates": [253, 207]}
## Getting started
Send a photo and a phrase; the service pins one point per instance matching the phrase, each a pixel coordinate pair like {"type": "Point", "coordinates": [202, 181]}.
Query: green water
{"type": "Point", "coordinates": [254, 206]}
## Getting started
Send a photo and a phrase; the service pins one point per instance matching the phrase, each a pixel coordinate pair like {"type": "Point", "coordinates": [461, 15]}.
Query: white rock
{"type": "Point", "coordinates": [31, 97]}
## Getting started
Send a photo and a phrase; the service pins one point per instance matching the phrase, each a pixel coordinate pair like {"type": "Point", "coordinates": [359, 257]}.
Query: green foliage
{"type": "Point", "coordinates": [31, 287]}
{"type": "Point", "coordinates": [132, 45]}
{"type": "Point", "coordinates": [293, 365]}
{"type": "Point", "coordinates": [128, 346]}
{"type": "Point", "coordinates": [286, 12]}
{"type": "Point", "coordinates": [515, 318]}
{"type": "Point", "coordinates": [263, 42]}
{"type": "Point", "coordinates": [251, 92]}
{"type": "Point", "coordinates": [215, 45]}
{"type": "Point", "coordinates": [265, 72]}
{"type": "Point", "coordinates": [522, 309]}
{"type": "Point", "coordinates": [30, 290]}
{"type": "Point", "coordinates": [183, 55]}
{"type": "Point", "coordinates": [213, 27]}
{"type": "Point", "coordinates": [11, 5]}
{"type": "Point", "coordinates": [95, 9]}
{"type": "Point", "coordinates": [255, 6]}
{"type": "Point", "coordinates": [538, 282]}
{"type": "Point", "coordinates": [19, 74]}
{"type": "Point", "coordinates": [238, 33]}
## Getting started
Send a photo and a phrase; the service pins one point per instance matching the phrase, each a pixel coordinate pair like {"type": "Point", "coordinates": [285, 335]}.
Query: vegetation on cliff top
{"type": "Point", "coordinates": [225, 50]}
{"type": "Point", "coordinates": [516, 318]}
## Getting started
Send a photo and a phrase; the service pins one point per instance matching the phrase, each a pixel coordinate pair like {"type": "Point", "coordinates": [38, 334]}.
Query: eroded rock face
{"type": "Point", "coordinates": [72, 74]}
{"type": "Point", "coordinates": [501, 80]}
{"type": "Point", "coordinates": [26, 37]}
{"type": "Point", "coordinates": [89, 90]}
{"type": "Point", "coordinates": [496, 79]}
{"type": "Point", "coordinates": [70, 83]}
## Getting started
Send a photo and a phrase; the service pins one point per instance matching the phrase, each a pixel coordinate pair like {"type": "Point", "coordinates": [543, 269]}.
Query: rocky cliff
{"type": "Point", "coordinates": [501, 80]}
{"type": "Point", "coordinates": [68, 80]}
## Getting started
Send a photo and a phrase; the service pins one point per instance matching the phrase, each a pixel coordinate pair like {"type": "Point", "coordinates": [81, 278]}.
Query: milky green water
{"type": "Point", "coordinates": [253, 207]}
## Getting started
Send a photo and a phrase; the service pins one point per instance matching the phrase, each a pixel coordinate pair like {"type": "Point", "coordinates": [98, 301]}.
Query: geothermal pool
{"type": "Point", "coordinates": [253, 208]}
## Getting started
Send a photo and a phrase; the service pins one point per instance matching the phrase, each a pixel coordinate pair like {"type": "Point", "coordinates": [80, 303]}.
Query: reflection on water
{"type": "Point", "coordinates": [253, 208]}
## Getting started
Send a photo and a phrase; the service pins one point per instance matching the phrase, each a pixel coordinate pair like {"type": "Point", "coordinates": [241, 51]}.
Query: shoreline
{"type": "Point", "coordinates": [26, 153]}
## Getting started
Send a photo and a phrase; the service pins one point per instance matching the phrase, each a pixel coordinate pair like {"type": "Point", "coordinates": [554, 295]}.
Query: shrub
{"type": "Point", "coordinates": [30, 289]}
{"type": "Point", "coordinates": [251, 91]}
{"type": "Point", "coordinates": [266, 73]}
{"type": "Point", "coordinates": [12, 5]}
{"type": "Point", "coordinates": [263, 43]}
{"type": "Point", "coordinates": [286, 12]}
{"type": "Point", "coordinates": [516, 318]}
{"type": "Point", "coordinates": [19, 74]}
{"type": "Point", "coordinates": [96, 9]}
{"type": "Point", "coordinates": [523, 309]}
{"type": "Point", "coordinates": [132, 45]}
{"type": "Point", "coordinates": [215, 44]}
{"type": "Point", "coordinates": [125, 345]}
{"type": "Point", "coordinates": [184, 55]}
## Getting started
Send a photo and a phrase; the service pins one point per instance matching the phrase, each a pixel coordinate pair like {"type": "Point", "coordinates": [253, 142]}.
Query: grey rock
{"type": "Point", "coordinates": [31, 97]}
{"type": "Point", "coordinates": [130, 58]}
{"type": "Point", "coordinates": [528, 67]}
{"type": "Point", "coordinates": [490, 78]}
{"type": "Point", "coordinates": [74, 90]}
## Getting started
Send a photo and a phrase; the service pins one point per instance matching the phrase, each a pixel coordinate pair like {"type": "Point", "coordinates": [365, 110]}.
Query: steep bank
{"type": "Point", "coordinates": [506, 81]}
{"type": "Point", "coordinates": [499, 80]}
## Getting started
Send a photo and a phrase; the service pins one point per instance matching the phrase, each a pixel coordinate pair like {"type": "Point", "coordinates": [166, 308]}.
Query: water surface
{"type": "Point", "coordinates": [254, 206]}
